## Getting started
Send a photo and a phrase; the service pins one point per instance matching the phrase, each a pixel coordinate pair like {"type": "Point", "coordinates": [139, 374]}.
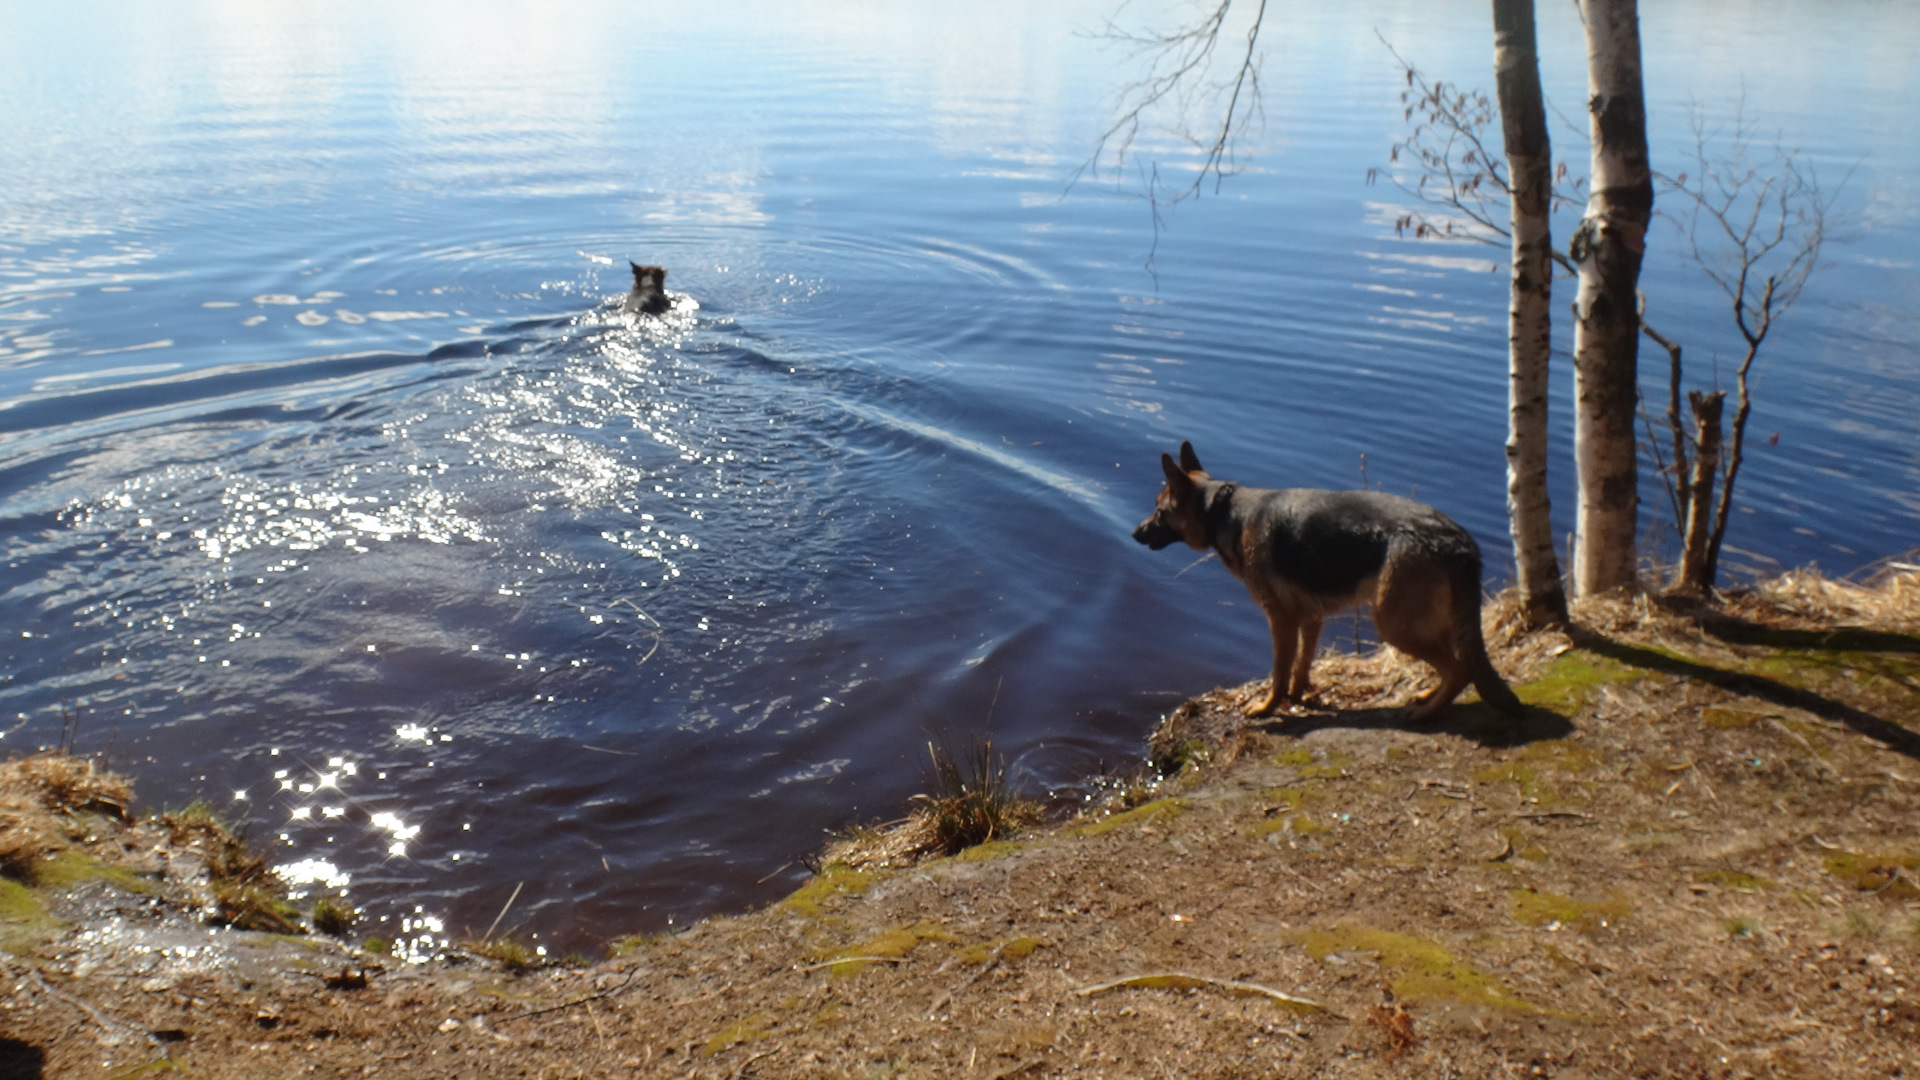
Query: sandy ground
{"type": "Point", "coordinates": [1699, 857]}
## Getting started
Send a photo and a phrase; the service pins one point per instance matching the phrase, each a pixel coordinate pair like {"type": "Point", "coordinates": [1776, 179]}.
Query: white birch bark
{"type": "Point", "coordinates": [1607, 249]}
{"type": "Point", "coordinates": [1523, 121]}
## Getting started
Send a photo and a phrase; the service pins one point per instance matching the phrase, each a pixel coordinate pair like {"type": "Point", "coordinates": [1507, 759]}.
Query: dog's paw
{"type": "Point", "coordinates": [1261, 706]}
{"type": "Point", "coordinates": [1420, 711]}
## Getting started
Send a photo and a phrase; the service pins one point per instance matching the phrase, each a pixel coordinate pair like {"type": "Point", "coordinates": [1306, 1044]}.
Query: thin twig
{"type": "Point", "coordinates": [1180, 980]}
{"type": "Point", "coordinates": [503, 912]}
{"type": "Point", "coordinates": [853, 960]}
{"type": "Point", "coordinates": [608, 992]}
{"type": "Point", "coordinates": [114, 1031]}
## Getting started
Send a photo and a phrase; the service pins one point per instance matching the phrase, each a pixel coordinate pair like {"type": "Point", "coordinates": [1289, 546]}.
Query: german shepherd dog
{"type": "Point", "coordinates": [1304, 554]}
{"type": "Point", "coordinates": [649, 295]}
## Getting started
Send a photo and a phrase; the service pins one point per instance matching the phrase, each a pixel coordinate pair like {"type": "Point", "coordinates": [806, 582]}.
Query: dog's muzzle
{"type": "Point", "coordinates": [1155, 534]}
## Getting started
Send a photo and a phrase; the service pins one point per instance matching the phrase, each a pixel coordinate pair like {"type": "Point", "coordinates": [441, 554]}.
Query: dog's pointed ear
{"type": "Point", "coordinates": [1189, 460]}
{"type": "Point", "coordinates": [636, 269]}
{"type": "Point", "coordinates": [1177, 479]}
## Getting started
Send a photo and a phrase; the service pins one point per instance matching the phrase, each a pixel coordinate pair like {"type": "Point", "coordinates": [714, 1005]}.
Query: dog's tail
{"type": "Point", "coordinates": [1468, 644]}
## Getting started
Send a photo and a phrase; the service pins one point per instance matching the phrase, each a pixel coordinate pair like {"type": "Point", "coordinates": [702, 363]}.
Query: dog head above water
{"type": "Point", "coordinates": [649, 294]}
{"type": "Point", "coordinates": [1180, 513]}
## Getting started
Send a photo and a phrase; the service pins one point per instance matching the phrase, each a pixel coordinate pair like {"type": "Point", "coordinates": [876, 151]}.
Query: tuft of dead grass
{"type": "Point", "coordinates": [333, 917]}
{"type": "Point", "coordinates": [971, 805]}
{"type": "Point", "coordinates": [44, 800]}
{"type": "Point", "coordinates": [1887, 597]}
{"type": "Point", "coordinates": [247, 895]}
{"type": "Point", "coordinates": [511, 955]}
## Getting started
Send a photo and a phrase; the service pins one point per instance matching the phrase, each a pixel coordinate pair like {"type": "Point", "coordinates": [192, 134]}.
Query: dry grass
{"type": "Point", "coordinates": [246, 893]}
{"type": "Point", "coordinates": [1887, 598]}
{"type": "Point", "coordinates": [971, 805]}
{"type": "Point", "coordinates": [508, 953]}
{"type": "Point", "coordinates": [44, 801]}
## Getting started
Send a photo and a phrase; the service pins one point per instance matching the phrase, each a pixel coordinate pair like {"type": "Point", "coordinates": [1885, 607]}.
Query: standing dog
{"type": "Point", "coordinates": [649, 295]}
{"type": "Point", "coordinates": [1305, 554]}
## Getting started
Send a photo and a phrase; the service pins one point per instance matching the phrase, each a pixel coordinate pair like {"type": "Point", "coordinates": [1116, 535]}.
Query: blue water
{"type": "Point", "coordinates": [333, 490]}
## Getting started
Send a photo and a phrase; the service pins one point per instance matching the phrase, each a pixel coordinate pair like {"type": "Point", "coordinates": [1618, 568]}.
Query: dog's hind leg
{"type": "Point", "coordinates": [1302, 682]}
{"type": "Point", "coordinates": [1413, 615]}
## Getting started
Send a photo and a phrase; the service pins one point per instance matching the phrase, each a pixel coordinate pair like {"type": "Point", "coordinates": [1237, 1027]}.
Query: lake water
{"type": "Point", "coordinates": [332, 492]}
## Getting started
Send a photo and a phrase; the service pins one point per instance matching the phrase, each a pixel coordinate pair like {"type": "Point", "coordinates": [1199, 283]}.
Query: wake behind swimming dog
{"type": "Point", "coordinates": [1304, 554]}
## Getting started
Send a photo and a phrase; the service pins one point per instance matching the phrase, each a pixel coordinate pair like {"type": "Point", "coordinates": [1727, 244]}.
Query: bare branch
{"type": "Point", "coordinates": [1179, 80]}
{"type": "Point", "coordinates": [1755, 218]}
{"type": "Point", "coordinates": [1450, 160]}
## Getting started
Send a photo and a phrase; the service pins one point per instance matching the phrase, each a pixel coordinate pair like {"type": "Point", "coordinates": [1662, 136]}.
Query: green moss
{"type": "Point", "coordinates": [1010, 949]}
{"type": "Point", "coordinates": [1146, 813]}
{"type": "Point", "coordinates": [376, 946]}
{"type": "Point", "coordinates": [1298, 824]}
{"type": "Point", "coordinates": [1732, 879]}
{"type": "Point", "coordinates": [1572, 680]}
{"type": "Point", "coordinates": [992, 849]}
{"type": "Point", "coordinates": [1876, 873]}
{"type": "Point", "coordinates": [1537, 766]}
{"type": "Point", "coordinates": [1815, 669]}
{"type": "Point", "coordinates": [1423, 970]}
{"type": "Point", "coordinates": [633, 943]}
{"type": "Point", "coordinates": [1741, 926]}
{"type": "Point", "coordinates": [890, 944]}
{"type": "Point", "coordinates": [19, 903]}
{"type": "Point", "coordinates": [1298, 755]}
{"type": "Point", "coordinates": [1288, 799]}
{"type": "Point", "coordinates": [748, 1029]}
{"type": "Point", "coordinates": [146, 1068]}
{"type": "Point", "coordinates": [72, 868]}
{"type": "Point", "coordinates": [1588, 916]}
{"type": "Point", "coordinates": [24, 921]}
{"type": "Point", "coordinates": [831, 881]}
{"type": "Point", "coordinates": [1728, 719]}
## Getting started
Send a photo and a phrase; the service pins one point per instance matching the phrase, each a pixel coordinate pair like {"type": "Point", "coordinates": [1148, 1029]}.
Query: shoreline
{"type": "Point", "coordinates": [1702, 859]}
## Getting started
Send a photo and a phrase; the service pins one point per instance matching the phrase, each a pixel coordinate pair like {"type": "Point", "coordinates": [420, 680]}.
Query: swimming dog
{"type": "Point", "coordinates": [649, 295]}
{"type": "Point", "coordinates": [1304, 554]}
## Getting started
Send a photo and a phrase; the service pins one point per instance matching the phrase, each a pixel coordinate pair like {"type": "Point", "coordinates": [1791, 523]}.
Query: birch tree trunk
{"type": "Point", "coordinates": [1607, 249]}
{"type": "Point", "coordinates": [1523, 122]}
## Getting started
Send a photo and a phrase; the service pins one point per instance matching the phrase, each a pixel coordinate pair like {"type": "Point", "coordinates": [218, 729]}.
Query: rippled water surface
{"type": "Point", "coordinates": [334, 491]}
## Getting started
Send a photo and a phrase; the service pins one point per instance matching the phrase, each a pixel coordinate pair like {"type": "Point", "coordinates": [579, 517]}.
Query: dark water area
{"type": "Point", "coordinates": [334, 491]}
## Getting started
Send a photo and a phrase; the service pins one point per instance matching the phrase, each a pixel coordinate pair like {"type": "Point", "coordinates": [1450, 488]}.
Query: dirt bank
{"type": "Point", "coordinates": [1699, 858]}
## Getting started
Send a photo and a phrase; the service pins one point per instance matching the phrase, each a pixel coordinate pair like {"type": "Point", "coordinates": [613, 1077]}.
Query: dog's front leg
{"type": "Point", "coordinates": [1301, 684]}
{"type": "Point", "coordinates": [1286, 643]}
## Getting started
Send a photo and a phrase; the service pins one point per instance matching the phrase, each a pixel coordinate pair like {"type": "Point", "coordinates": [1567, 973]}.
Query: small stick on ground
{"type": "Point", "coordinates": [741, 1069]}
{"type": "Point", "coordinates": [854, 960]}
{"type": "Point", "coordinates": [1180, 980]}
